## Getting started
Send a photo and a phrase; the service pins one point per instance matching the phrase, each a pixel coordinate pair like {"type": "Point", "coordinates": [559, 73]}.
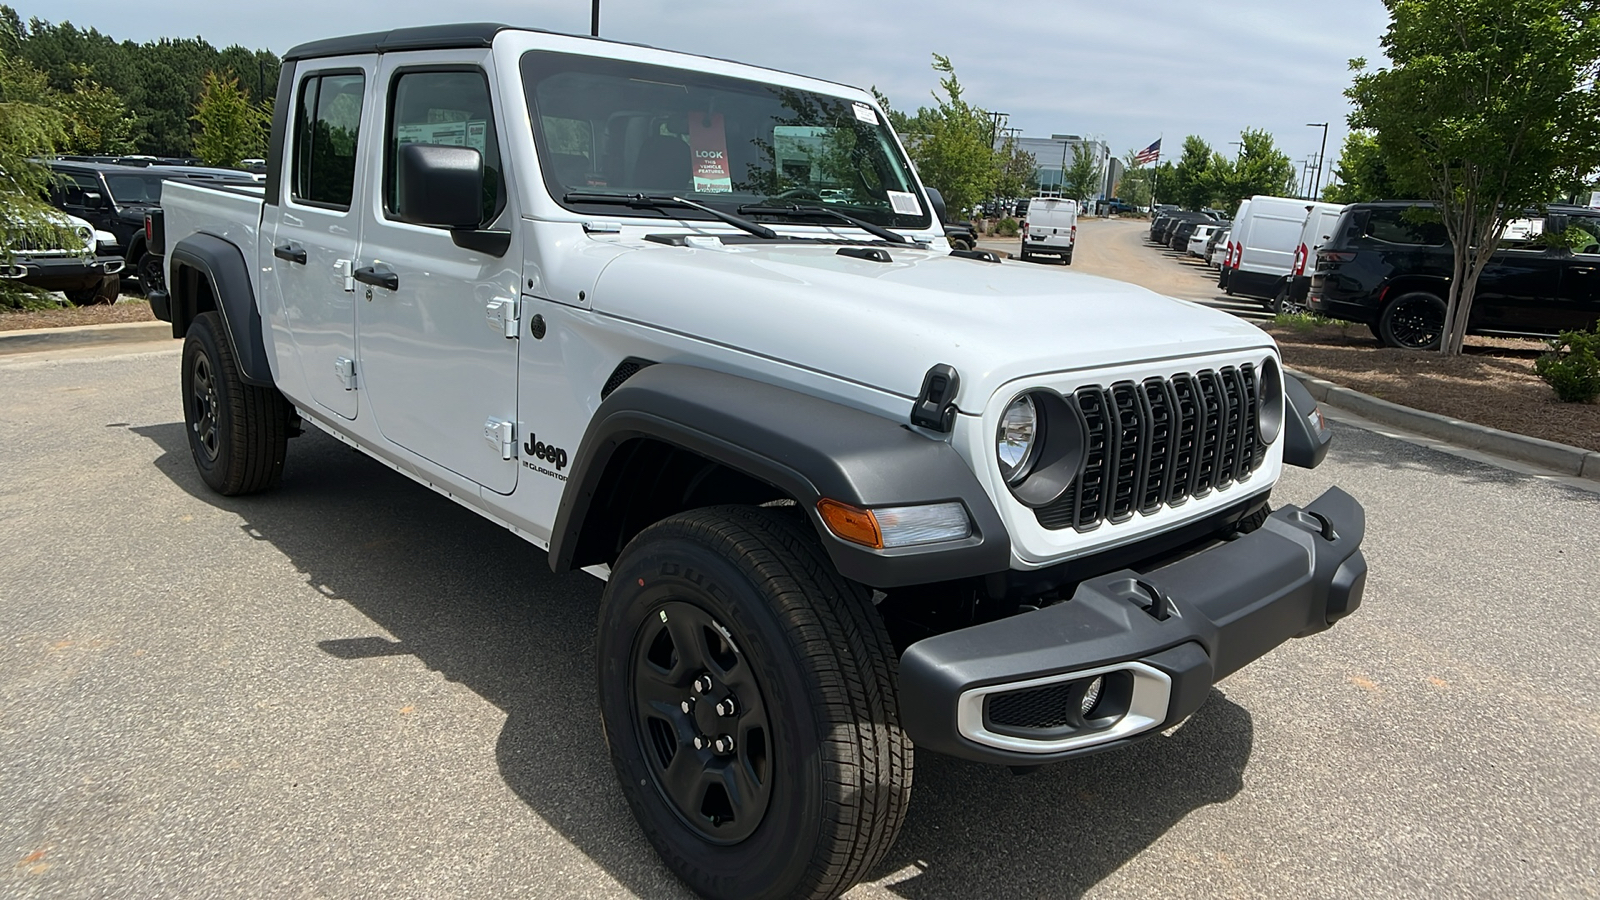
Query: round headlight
{"type": "Point", "coordinates": [1017, 440]}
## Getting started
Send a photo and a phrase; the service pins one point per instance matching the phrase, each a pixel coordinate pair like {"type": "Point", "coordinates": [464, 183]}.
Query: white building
{"type": "Point", "coordinates": [1054, 153]}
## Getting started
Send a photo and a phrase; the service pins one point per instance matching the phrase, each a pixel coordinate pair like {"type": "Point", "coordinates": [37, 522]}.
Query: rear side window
{"type": "Point", "coordinates": [327, 128]}
{"type": "Point", "coordinates": [450, 108]}
{"type": "Point", "coordinates": [1410, 225]}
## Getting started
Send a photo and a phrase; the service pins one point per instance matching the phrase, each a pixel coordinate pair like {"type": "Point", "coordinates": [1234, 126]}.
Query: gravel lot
{"type": "Point", "coordinates": [352, 687]}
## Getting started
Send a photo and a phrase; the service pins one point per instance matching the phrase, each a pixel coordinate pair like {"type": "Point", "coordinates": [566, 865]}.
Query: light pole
{"type": "Point", "coordinates": [1324, 126]}
{"type": "Point", "coordinates": [594, 20]}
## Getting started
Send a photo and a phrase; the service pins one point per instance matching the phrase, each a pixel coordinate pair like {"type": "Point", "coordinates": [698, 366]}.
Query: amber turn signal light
{"type": "Point", "coordinates": [850, 523]}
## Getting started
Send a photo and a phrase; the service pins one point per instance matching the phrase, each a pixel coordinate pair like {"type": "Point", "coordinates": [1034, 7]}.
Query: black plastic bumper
{"type": "Point", "coordinates": [1224, 607]}
{"type": "Point", "coordinates": [67, 273]}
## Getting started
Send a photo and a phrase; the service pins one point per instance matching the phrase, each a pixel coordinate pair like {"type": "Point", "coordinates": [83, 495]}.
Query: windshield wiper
{"type": "Point", "coordinates": [793, 209]}
{"type": "Point", "coordinates": [659, 201]}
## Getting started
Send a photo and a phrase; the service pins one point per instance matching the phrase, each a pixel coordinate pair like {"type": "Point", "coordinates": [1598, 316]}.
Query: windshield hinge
{"type": "Point", "coordinates": [935, 407]}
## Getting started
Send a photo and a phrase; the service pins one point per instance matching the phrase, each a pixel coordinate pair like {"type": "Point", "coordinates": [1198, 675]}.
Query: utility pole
{"type": "Point", "coordinates": [594, 20]}
{"type": "Point", "coordinates": [1315, 187]}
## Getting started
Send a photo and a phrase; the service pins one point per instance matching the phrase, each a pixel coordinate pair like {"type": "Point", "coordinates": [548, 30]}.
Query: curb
{"type": "Point", "coordinates": [30, 340]}
{"type": "Point", "coordinates": [1561, 458]}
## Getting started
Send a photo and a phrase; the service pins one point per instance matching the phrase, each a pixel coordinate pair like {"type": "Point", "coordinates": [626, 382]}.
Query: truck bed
{"type": "Point", "coordinates": [230, 212]}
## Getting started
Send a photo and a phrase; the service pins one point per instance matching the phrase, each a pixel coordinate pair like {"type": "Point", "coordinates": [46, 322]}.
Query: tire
{"type": "Point", "coordinates": [1023, 254]}
{"type": "Point", "coordinates": [105, 291]}
{"type": "Point", "coordinates": [238, 433]}
{"type": "Point", "coordinates": [820, 768]}
{"type": "Point", "coordinates": [151, 277]}
{"type": "Point", "coordinates": [1413, 321]}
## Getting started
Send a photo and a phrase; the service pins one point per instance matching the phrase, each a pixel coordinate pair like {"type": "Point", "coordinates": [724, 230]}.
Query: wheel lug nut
{"type": "Point", "coordinates": [702, 684]}
{"type": "Point", "coordinates": [723, 744]}
{"type": "Point", "coordinates": [699, 742]}
{"type": "Point", "coordinates": [727, 708]}
{"type": "Point", "coordinates": [687, 706]}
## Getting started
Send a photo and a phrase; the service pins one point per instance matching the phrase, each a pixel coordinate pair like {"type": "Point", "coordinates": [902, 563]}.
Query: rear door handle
{"type": "Point", "coordinates": [378, 277]}
{"type": "Point", "coordinates": [1583, 270]}
{"type": "Point", "coordinates": [290, 252]}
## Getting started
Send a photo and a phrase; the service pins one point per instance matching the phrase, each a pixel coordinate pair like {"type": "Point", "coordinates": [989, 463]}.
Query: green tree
{"type": "Point", "coordinates": [950, 142]}
{"type": "Point", "coordinates": [1191, 186]}
{"type": "Point", "coordinates": [1082, 178]}
{"type": "Point", "coordinates": [231, 127]}
{"type": "Point", "coordinates": [29, 129]}
{"type": "Point", "coordinates": [98, 122]}
{"type": "Point", "coordinates": [1488, 107]}
{"type": "Point", "coordinates": [1135, 186]}
{"type": "Point", "coordinates": [1015, 169]}
{"type": "Point", "coordinates": [1260, 168]}
{"type": "Point", "coordinates": [1363, 175]}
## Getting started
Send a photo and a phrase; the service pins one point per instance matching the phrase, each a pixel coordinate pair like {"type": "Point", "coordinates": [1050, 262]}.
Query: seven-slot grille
{"type": "Point", "coordinates": [1159, 442]}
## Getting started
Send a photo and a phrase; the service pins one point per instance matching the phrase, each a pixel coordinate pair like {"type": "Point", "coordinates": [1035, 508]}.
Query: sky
{"type": "Point", "coordinates": [1124, 72]}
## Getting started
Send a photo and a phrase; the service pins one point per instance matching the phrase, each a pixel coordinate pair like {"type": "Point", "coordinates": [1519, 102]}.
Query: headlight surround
{"type": "Point", "coordinates": [1040, 446]}
{"type": "Point", "coordinates": [1269, 401]}
{"type": "Point", "coordinates": [1018, 438]}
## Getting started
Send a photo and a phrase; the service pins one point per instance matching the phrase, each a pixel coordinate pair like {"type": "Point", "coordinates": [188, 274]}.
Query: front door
{"type": "Point", "coordinates": [313, 232]}
{"type": "Point", "coordinates": [439, 374]}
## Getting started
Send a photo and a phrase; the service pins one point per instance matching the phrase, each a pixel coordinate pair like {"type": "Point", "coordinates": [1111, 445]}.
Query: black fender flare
{"type": "Point", "coordinates": [804, 446]}
{"type": "Point", "coordinates": [1305, 436]}
{"type": "Point", "coordinates": [221, 263]}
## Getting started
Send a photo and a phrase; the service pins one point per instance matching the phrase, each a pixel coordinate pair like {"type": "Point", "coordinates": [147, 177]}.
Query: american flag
{"type": "Point", "coordinates": [1149, 154]}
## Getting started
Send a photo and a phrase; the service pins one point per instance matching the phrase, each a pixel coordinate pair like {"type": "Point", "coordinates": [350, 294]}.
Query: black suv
{"type": "Point", "coordinates": [115, 198]}
{"type": "Point", "coordinates": [1388, 265]}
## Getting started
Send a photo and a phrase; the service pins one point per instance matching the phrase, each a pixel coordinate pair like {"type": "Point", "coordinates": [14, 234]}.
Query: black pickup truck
{"type": "Point", "coordinates": [1388, 266]}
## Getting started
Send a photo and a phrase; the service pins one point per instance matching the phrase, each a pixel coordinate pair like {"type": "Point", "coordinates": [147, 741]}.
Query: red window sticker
{"type": "Point", "coordinates": [708, 144]}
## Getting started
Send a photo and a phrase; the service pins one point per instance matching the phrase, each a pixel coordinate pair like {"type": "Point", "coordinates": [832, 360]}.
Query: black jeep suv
{"type": "Point", "coordinates": [1388, 265]}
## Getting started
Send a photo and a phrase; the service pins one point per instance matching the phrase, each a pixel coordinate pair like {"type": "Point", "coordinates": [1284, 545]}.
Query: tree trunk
{"type": "Point", "coordinates": [1458, 301]}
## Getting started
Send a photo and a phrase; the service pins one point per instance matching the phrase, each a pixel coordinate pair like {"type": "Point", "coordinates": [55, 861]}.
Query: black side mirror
{"type": "Point", "coordinates": [937, 199]}
{"type": "Point", "coordinates": [439, 186]}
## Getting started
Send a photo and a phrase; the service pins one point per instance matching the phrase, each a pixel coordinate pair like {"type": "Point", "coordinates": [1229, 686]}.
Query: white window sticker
{"type": "Point", "coordinates": [904, 204]}
{"type": "Point", "coordinates": [865, 113]}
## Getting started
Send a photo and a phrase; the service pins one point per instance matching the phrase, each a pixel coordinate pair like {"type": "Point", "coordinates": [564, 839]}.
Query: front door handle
{"type": "Point", "coordinates": [378, 277]}
{"type": "Point", "coordinates": [290, 252]}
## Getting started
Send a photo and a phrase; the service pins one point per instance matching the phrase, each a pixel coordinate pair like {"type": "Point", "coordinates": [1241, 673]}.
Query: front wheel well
{"type": "Point", "coordinates": [192, 294]}
{"type": "Point", "coordinates": [647, 480]}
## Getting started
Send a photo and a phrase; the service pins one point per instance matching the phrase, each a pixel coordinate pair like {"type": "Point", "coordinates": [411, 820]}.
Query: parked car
{"type": "Point", "coordinates": [1161, 232]}
{"type": "Point", "coordinates": [1388, 265]}
{"type": "Point", "coordinates": [116, 198]}
{"type": "Point", "coordinates": [960, 235]}
{"type": "Point", "coordinates": [1051, 229]}
{"type": "Point", "coordinates": [71, 257]}
{"type": "Point", "coordinates": [1196, 245]}
{"type": "Point", "coordinates": [855, 497]}
{"type": "Point", "coordinates": [1217, 246]}
{"type": "Point", "coordinates": [1264, 246]}
{"type": "Point", "coordinates": [1179, 233]}
{"type": "Point", "coordinates": [1115, 206]}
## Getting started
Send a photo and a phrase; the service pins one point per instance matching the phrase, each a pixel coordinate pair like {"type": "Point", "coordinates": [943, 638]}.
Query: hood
{"type": "Point", "coordinates": [884, 324]}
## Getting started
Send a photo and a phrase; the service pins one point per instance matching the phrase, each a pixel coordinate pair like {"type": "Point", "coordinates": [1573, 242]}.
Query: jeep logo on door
{"type": "Point", "coordinates": [547, 452]}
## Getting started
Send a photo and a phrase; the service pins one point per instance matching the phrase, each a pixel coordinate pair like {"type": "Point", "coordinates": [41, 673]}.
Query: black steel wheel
{"type": "Point", "coordinates": [238, 433]}
{"type": "Point", "coordinates": [747, 691]}
{"type": "Point", "coordinates": [151, 276]}
{"type": "Point", "coordinates": [1413, 321]}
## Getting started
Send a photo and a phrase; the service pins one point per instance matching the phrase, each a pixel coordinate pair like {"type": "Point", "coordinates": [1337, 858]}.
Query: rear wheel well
{"type": "Point", "coordinates": [647, 480]}
{"type": "Point", "coordinates": [192, 294]}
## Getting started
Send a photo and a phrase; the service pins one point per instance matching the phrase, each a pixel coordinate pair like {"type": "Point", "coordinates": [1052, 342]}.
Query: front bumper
{"type": "Point", "coordinates": [1010, 691]}
{"type": "Point", "coordinates": [57, 273]}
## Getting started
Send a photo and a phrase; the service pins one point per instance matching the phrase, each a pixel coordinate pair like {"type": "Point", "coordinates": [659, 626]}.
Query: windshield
{"type": "Point", "coordinates": [129, 189]}
{"type": "Point", "coordinates": [615, 127]}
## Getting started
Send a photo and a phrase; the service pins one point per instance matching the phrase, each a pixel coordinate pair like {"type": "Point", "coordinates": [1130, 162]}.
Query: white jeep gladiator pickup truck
{"type": "Point", "coordinates": [691, 326]}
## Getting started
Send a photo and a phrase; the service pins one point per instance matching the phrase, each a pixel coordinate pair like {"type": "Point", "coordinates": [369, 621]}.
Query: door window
{"type": "Point", "coordinates": [449, 108]}
{"type": "Point", "coordinates": [327, 125]}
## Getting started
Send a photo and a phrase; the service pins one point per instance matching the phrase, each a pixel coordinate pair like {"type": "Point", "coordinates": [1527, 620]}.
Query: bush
{"type": "Point", "coordinates": [1572, 367]}
{"type": "Point", "coordinates": [1007, 227]}
{"type": "Point", "coordinates": [1304, 323]}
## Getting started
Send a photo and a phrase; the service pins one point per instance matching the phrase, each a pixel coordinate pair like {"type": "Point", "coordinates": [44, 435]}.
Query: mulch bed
{"type": "Point", "coordinates": [127, 310]}
{"type": "Point", "coordinates": [1491, 383]}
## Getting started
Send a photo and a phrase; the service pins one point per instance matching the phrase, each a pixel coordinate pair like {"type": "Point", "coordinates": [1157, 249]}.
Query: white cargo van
{"type": "Point", "coordinates": [1051, 228]}
{"type": "Point", "coordinates": [1318, 227]}
{"type": "Point", "coordinates": [1265, 238]}
{"type": "Point", "coordinates": [1235, 234]}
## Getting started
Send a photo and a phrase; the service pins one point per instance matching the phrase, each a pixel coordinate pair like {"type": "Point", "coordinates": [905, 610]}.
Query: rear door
{"type": "Point", "coordinates": [313, 230]}
{"type": "Point", "coordinates": [439, 373]}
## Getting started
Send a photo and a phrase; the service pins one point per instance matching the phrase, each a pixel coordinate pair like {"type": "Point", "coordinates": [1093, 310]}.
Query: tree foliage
{"type": "Point", "coordinates": [1488, 107]}
{"type": "Point", "coordinates": [157, 82]}
{"type": "Point", "coordinates": [1135, 186]}
{"type": "Point", "coordinates": [1260, 168]}
{"type": "Point", "coordinates": [1363, 174]}
{"type": "Point", "coordinates": [951, 142]}
{"type": "Point", "coordinates": [29, 128]}
{"type": "Point", "coordinates": [1190, 187]}
{"type": "Point", "coordinates": [1015, 170]}
{"type": "Point", "coordinates": [231, 127]}
{"type": "Point", "coordinates": [1083, 175]}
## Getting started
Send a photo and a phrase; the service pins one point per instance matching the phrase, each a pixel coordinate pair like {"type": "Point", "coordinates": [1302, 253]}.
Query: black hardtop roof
{"type": "Point", "coordinates": [459, 35]}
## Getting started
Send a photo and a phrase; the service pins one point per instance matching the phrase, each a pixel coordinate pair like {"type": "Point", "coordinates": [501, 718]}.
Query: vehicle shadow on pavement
{"type": "Point", "coordinates": [481, 607]}
{"type": "Point", "coordinates": [976, 829]}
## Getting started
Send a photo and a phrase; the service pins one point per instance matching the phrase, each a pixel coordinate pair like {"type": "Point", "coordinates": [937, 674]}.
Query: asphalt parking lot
{"type": "Point", "coordinates": [352, 687]}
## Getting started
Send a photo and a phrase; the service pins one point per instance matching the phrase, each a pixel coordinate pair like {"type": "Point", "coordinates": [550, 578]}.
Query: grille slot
{"type": "Point", "coordinates": [1159, 442]}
